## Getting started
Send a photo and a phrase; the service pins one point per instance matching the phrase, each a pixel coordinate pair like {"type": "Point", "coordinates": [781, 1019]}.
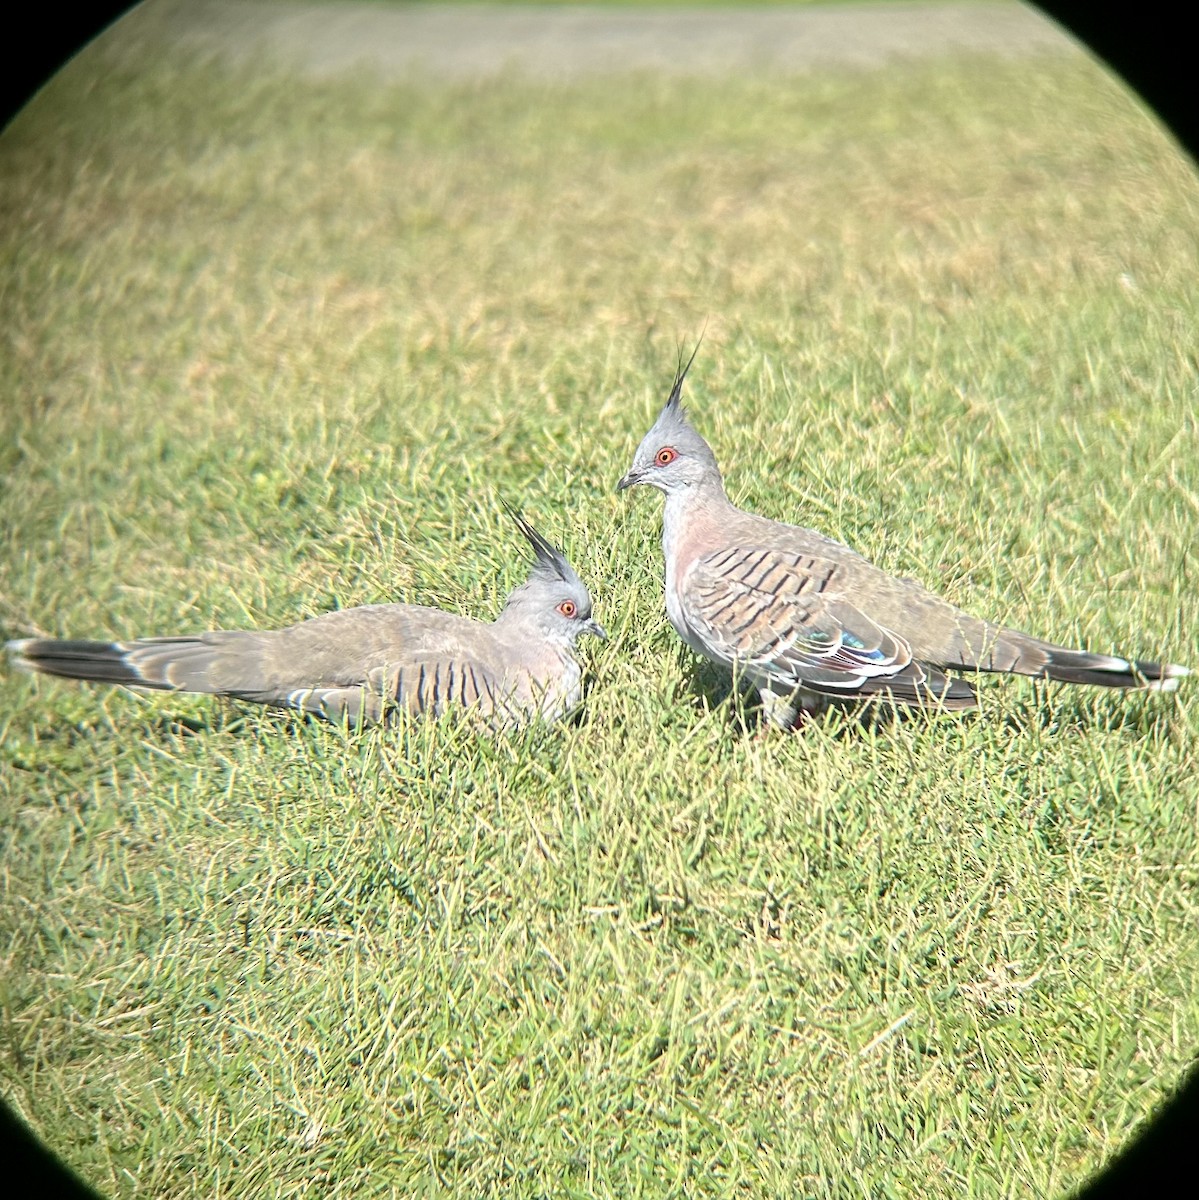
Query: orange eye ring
{"type": "Point", "coordinates": [665, 456]}
{"type": "Point", "coordinates": [568, 609]}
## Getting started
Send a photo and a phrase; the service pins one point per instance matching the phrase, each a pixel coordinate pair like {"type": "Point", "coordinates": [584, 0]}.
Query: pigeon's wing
{"type": "Point", "coordinates": [785, 616]}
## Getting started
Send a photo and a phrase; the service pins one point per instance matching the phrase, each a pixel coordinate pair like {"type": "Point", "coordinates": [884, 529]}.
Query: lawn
{"type": "Point", "coordinates": [272, 347]}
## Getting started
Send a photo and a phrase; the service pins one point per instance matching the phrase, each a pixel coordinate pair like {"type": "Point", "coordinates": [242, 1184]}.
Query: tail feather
{"type": "Point", "coordinates": [1043, 660]}
{"type": "Point", "coordinates": [162, 664]}
{"type": "Point", "coordinates": [1076, 666]}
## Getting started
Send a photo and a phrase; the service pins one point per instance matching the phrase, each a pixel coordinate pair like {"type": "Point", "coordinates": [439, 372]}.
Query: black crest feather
{"type": "Point", "coordinates": [546, 556]}
{"type": "Point", "coordinates": [676, 388]}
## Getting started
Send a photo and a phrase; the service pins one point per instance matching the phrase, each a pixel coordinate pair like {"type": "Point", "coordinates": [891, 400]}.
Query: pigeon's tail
{"type": "Point", "coordinates": [176, 664]}
{"type": "Point", "coordinates": [1105, 670]}
{"type": "Point", "coordinates": [1043, 660]}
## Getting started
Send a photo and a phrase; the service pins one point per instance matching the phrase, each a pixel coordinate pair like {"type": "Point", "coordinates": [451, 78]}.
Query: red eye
{"type": "Point", "coordinates": [568, 608]}
{"type": "Point", "coordinates": [666, 456]}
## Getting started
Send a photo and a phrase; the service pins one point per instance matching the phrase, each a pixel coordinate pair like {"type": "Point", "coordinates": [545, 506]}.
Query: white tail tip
{"type": "Point", "coordinates": [1171, 674]}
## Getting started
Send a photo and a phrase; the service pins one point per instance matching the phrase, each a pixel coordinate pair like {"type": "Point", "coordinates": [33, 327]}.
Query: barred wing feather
{"type": "Point", "coordinates": [779, 614]}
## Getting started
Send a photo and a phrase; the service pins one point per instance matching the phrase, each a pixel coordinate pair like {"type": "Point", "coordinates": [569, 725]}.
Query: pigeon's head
{"type": "Point", "coordinates": [553, 597]}
{"type": "Point", "coordinates": [672, 456]}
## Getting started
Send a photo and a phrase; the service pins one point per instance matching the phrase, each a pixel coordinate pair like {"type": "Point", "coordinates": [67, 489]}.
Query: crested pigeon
{"type": "Point", "coordinates": [805, 620]}
{"type": "Point", "coordinates": [360, 664]}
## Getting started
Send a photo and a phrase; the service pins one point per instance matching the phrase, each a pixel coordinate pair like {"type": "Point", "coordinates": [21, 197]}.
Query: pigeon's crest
{"type": "Point", "coordinates": [549, 563]}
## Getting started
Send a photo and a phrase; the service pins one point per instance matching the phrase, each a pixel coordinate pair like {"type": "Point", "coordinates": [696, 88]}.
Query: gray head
{"type": "Point", "coordinates": [553, 597]}
{"type": "Point", "coordinates": [672, 456]}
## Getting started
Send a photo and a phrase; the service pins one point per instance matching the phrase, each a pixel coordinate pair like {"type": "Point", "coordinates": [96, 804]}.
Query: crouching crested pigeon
{"type": "Point", "coordinates": [360, 664]}
{"type": "Point", "coordinates": [806, 620]}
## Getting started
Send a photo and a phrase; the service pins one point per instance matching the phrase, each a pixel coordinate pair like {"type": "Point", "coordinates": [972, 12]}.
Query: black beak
{"type": "Point", "coordinates": [628, 481]}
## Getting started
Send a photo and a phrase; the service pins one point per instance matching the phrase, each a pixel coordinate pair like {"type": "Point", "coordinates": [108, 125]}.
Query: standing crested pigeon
{"type": "Point", "coordinates": [359, 664]}
{"type": "Point", "coordinates": [805, 620]}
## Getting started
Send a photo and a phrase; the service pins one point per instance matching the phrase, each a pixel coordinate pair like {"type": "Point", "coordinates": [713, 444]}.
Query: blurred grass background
{"type": "Point", "coordinates": [274, 346]}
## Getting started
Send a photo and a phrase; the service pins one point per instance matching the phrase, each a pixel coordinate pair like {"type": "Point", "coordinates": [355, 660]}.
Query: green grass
{"type": "Point", "coordinates": [626, 3]}
{"type": "Point", "coordinates": [271, 348]}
